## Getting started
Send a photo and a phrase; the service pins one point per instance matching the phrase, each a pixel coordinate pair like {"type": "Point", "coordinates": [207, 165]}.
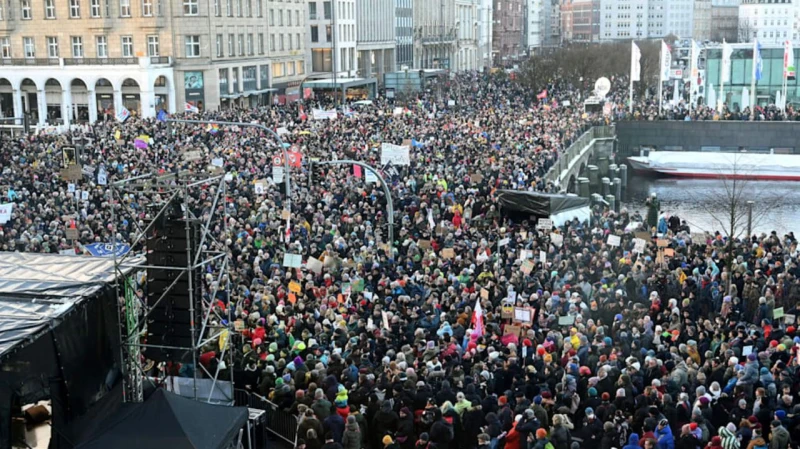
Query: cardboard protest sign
{"type": "Point", "coordinates": [661, 243]}
{"type": "Point", "coordinates": [484, 293]}
{"type": "Point", "coordinates": [424, 244]}
{"type": "Point", "coordinates": [557, 239]}
{"type": "Point", "coordinates": [527, 267]}
{"type": "Point", "coordinates": [314, 265]}
{"type": "Point", "coordinates": [614, 240]}
{"type": "Point", "coordinates": [448, 253]}
{"type": "Point", "coordinates": [72, 234]}
{"type": "Point", "coordinates": [639, 245]}
{"type": "Point", "coordinates": [507, 312]}
{"type": "Point", "coordinates": [511, 329]}
{"type": "Point", "coordinates": [294, 287]}
{"type": "Point", "coordinates": [523, 314]}
{"type": "Point", "coordinates": [292, 260]}
{"type": "Point", "coordinates": [545, 224]}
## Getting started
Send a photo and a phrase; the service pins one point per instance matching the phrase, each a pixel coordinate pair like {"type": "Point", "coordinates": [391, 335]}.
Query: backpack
{"type": "Point", "coordinates": [549, 445]}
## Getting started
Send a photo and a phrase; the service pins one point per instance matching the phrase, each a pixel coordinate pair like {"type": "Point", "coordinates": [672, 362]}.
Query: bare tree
{"type": "Point", "coordinates": [746, 30]}
{"type": "Point", "coordinates": [738, 204]}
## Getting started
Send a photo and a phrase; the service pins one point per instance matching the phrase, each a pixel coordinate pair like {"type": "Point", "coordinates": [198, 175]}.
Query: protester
{"type": "Point", "coordinates": [376, 343]}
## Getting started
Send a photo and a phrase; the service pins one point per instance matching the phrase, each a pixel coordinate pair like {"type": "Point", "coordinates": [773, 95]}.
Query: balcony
{"type": "Point", "coordinates": [29, 62]}
{"type": "Point", "coordinates": [101, 61]}
{"type": "Point", "coordinates": [160, 60]}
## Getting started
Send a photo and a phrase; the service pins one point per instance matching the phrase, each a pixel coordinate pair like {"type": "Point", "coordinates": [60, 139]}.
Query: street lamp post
{"type": "Point", "coordinates": [286, 166]}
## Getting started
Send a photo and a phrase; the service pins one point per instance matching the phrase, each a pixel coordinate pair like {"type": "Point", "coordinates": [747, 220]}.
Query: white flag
{"type": "Point", "coordinates": [666, 61]}
{"type": "Point", "coordinates": [695, 59]}
{"type": "Point", "coordinates": [123, 114]}
{"type": "Point", "coordinates": [636, 66]}
{"type": "Point", "coordinates": [727, 51]}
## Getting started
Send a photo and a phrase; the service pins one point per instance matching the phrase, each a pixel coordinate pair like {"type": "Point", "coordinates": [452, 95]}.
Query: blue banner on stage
{"type": "Point", "coordinates": [107, 249]}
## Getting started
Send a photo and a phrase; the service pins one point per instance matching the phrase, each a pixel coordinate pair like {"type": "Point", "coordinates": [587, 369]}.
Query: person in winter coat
{"type": "Point", "coordinates": [441, 434]}
{"type": "Point", "coordinates": [541, 439]}
{"type": "Point", "coordinates": [715, 443]}
{"type": "Point", "coordinates": [334, 424]}
{"type": "Point", "coordinates": [472, 421]}
{"type": "Point", "coordinates": [633, 442]}
{"type": "Point", "coordinates": [513, 440]}
{"type": "Point", "coordinates": [609, 439]}
{"type": "Point", "coordinates": [352, 438]}
{"type": "Point", "coordinates": [780, 436]}
{"type": "Point", "coordinates": [687, 440]}
{"type": "Point", "coordinates": [729, 440]}
{"type": "Point", "coordinates": [405, 436]}
{"type": "Point", "coordinates": [321, 406]}
{"type": "Point", "coordinates": [560, 433]}
{"type": "Point", "coordinates": [384, 422]}
{"type": "Point", "coordinates": [664, 436]}
{"type": "Point", "coordinates": [527, 426]}
{"type": "Point", "coordinates": [758, 441]}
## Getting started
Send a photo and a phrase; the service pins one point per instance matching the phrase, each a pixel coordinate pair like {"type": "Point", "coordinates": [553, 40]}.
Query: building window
{"type": "Point", "coordinates": [328, 32]}
{"type": "Point", "coordinates": [94, 8]}
{"type": "Point", "coordinates": [77, 47]}
{"type": "Point", "coordinates": [271, 42]}
{"type": "Point", "coordinates": [29, 47]}
{"type": "Point", "coordinates": [281, 40]}
{"type": "Point", "coordinates": [52, 47]}
{"type": "Point", "coordinates": [50, 9]}
{"type": "Point", "coordinates": [152, 46]}
{"type": "Point", "coordinates": [248, 8]}
{"type": "Point", "coordinates": [301, 67]}
{"type": "Point", "coordinates": [190, 7]}
{"type": "Point", "coordinates": [297, 17]}
{"type": "Point", "coordinates": [314, 33]}
{"type": "Point", "coordinates": [231, 45]}
{"type": "Point", "coordinates": [238, 8]}
{"type": "Point", "coordinates": [220, 53]}
{"type": "Point", "coordinates": [102, 46]}
{"type": "Point", "coordinates": [327, 9]}
{"type": "Point", "coordinates": [192, 44]}
{"type": "Point", "coordinates": [5, 46]}
{"type": "Point", "coordinates": [261, 43]}
{"type": "Point", "coordinates": [271, 17]}
{"type": "Point", "coordinates": [289, 38]}
{"type": "Point", "coordinates": [280, 17]}
{"type": "Point", "coordinates": [259, 8]}
{"type": "Point", "coordinates": [125, 8]}
{"type": "Point", "coordinates": [1, 11]}
{"type": "Point", "coordinates": [216, 8]}
{"type": "Point", "coordinates": [158, 8]}
{"type": "Point", "coordinates": [25, 8]}
{"type": "Point", "coordinates": [290, 68]}
{"type": "Point", "coordinates": [107, 4]}
{"type": "Point", "coordinates": [241, 44]}
{"type": "Point", "coordinates": [147, 8]}
{"type": "Point", "coordinates": [312, 11]}
{"type": "Point", "coordinates": [297, 39]}
{"type": "Point", "coordinates": [127, 46]}
{"type": "Point", "coordinates": [277, 70]}
{"type": "Point", "coordinates": [250, 49]}
{"type": "Point", "coordinates": [288, 18]}
{"type": "Point", "coordinates": [228, 8]}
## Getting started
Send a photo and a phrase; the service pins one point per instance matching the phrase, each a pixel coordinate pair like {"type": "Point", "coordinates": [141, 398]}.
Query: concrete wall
{"type": "Point", "coordinates": [694, 135]}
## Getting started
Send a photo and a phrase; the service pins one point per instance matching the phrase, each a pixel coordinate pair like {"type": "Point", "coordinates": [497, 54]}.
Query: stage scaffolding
{"type": "Point", "coordinates": [168, 191]}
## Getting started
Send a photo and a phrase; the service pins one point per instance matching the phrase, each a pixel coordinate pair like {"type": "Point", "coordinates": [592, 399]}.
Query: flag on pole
{"type": "Point", "coordinates": [759, 63]}
{"type": "Point", "coordinates": [695, 59]}
{"type": "Point", "coordinates": [162, 116]}
{"type": "Point", "coordinates": [636, 65]}
{"type": "Point", "coordinates": [788, 60]}
{"type": "Point", "coordinates": [666, 62]}
{"type": "Point", "coordinates": [727, 51]}
{"type": "Point", "coordinates": [477, 319]}
{"type": "Point", "coordinates": [188, 107]}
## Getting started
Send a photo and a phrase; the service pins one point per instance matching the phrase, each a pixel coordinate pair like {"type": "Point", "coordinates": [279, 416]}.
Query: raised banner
{"type": "Point", "coordinates": [321, 114]}
{"type": "Point", "coordinates": [107, 249]}
{"type": "Point", "coordinates": [395, 154]}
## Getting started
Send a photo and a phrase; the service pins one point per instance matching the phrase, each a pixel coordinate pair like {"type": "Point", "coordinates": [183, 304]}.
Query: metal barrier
{"type": "Point", "coordinates": [279, 422]}
{"type": "Point", "coordinates": [575, 150]}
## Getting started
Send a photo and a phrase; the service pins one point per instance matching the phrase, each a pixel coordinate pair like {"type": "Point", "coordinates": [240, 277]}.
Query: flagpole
{"type": "Point", "coordinates": [721, 78]}
{"type": "Point", "coordinates": [630, 97]}
{"type": "Point", "coordinates": [753, 83]}
{"type": "Point", "coordinates": [661, 79]}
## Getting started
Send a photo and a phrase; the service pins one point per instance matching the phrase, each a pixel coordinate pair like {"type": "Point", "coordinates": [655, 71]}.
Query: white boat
{"type": "Point", "coordinates": [705, 164]}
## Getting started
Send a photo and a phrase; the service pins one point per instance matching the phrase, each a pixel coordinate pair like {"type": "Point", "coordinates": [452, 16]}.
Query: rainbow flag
{"type": "Point", "coordinates": [212, 128]}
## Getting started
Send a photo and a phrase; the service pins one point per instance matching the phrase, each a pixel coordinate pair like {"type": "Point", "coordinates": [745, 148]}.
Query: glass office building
{"type": "Point", "coordinates": [742, 71]}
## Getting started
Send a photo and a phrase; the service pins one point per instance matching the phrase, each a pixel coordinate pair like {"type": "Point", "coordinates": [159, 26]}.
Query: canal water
{"type": "Point", "coordinates": [699, 201]}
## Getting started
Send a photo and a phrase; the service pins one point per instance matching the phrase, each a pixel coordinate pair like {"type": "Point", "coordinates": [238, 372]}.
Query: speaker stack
{"type": "Point", "coordinates": [170, 320]}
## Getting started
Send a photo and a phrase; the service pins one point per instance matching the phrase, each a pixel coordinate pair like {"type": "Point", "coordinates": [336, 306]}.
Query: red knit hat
{"type": "Point", "coordinates": [693, 426]}
{"type": "Point", "coordinates": [502, 400]}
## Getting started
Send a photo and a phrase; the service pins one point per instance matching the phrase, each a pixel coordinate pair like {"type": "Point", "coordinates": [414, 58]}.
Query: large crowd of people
{"type": "Point", "coordinates": [415, 343]}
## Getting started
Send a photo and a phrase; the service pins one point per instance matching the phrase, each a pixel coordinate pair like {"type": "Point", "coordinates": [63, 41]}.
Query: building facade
{"type": "Point", "coordinates": [332, 36]}
{"type": "Point", "coordinates": [507, 30]}
{"type": "Point", "coordinates": [287, 53]}
{"type": "Point", "coordinates": [552, 23]}
{"type": "Point", "coordinates": [435, 34]}
{"type": "Point", "coordinates": [580, 21]}
{"type": "Point", "coordinates": [624, 20]}
{"type": "Point", "coordinates": [769, 21]}
{"type": "Point", "coordinates": [724, 20]}
{"type": "Point", "coordinates": [375, 37]}
{"type": "Point", "coordinates": [83, 60]}
{"type": "Point", "coordinates": [467, 34]}
{"type": "Point", "coordinates": [485, 32]}
{"type": "Point", "coordinates": [404, 33]}
{"type": "Point", "coordinates": [534, 24]}
{"type": "Point", "coordinates": [701, 17]}
{"type": "Point", "coordinates": [649, 19]}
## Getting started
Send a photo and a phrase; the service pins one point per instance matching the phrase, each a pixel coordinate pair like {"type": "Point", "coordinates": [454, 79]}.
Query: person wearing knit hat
{"type": "Point", "coordinates": [727, 436]}
{"type": "Point", "coordinates": [541, 434]}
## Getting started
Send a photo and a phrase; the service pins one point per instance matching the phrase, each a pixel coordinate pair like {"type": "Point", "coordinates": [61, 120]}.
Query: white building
{"type": "Point", "coordinates": [467, 24]}
{"type": "Point", "coordinates": [623, 20]}
{"type": "Point", "coordinates": [375, 37]}
{"type": "Point", "coordinates": [332, 35]}
{"type": "Point", "coordinates": [435, 34]}
{"type": "Point", "coordinates": [770, 22]}
{"type": "Point", "coordinates": [485, 30]}
{"type": "Point", "coordinates": [534, 23]}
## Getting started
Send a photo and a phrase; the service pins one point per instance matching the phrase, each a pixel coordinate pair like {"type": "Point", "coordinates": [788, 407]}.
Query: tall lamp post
{"type": "Point", "coordinates": [286, 166]}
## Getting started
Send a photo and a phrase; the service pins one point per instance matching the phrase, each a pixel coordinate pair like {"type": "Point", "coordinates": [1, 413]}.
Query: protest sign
{"type": "Point", "coordinates": [5, 212]}
{"type": "Point", "coordinates": [557, 239]}
{"type": "Point", "coordinates": [527, 267]}
{"type": "Point", "coordinates": [294, 287]}
{"type": "Point", "coordinates": [484, 293]}
{"type": "Point", "coordinates": [395, 154]}
{"type": "Point", "coordinates": [639, 245]}
{"type": "Point", "coordinates": [72, 234]}
{"type": "Point", "coordinates": [523, 314]}
{"type": "Point", "coordinates": [614, 240]}
{"type": "Point", "coordinates": [511, 329]}
{"type": "Point", "coordinates": [545, 224]}
{"type": "Point", "coordinates": [292, 260]}
{"type": "Point", "coordinates": [314, 265]}
{"type": "Point", "coordinates": [448, 253]}
{"type": "Point", "coordinates": [661, 243]}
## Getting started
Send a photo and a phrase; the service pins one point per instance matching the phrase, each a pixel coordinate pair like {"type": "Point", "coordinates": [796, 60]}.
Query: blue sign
{"type": "Point", "coordinates": [107, 249]}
